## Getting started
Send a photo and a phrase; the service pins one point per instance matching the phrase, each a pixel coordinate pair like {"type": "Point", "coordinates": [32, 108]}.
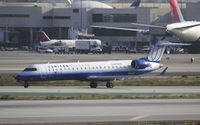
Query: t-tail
{"type": "Point", "coordinates": [176, 12]}
{"type": "Point", "coordinates": [43, 36]}
{"type": "Point", "coordinates": [156, 53]}
{"type": "Point", "coordinates": [136, 3]}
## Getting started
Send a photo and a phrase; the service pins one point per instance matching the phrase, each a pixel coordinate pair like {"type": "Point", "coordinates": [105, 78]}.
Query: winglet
{"type": "Point", "coordinates": [164, 71]}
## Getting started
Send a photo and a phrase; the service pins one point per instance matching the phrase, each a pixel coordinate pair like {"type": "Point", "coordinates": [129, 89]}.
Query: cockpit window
{"type": "Point", "coordinates": [30, 69]}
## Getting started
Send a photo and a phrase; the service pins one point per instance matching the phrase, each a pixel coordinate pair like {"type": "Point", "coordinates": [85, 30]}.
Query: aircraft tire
{"type": "Point", "coordinates": [93, 85]}
{"type": "Point", "coordinates": [109, 85]}
{"type": "Point", "coordinates": [26, 85]}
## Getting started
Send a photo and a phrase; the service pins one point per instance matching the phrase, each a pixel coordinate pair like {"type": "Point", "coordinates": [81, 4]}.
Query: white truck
{"type": "Point", "coordinates": [88, 45]}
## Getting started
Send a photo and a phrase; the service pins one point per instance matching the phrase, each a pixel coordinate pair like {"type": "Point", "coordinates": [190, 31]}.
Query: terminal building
{"type": "Point", "coordinates": [21, 21]}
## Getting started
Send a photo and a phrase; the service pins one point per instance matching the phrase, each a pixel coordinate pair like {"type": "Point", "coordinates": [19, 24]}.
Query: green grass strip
{"type": "Point", "coordinates": [100, 96]}
{"type": "Point", "coordinates": [8, 80]}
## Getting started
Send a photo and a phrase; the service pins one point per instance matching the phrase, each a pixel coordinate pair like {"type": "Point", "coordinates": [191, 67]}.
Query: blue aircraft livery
{"type": "Point", "coordinates": [136, 3]}
{"type": "Point", "coordinates": [96, 71]}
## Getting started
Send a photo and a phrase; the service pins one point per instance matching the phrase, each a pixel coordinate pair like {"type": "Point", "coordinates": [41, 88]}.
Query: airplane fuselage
{"type": "Point", "coordinates": [54, 43]}
{"type": "Point", "coordinates": [84, 71]}
{"type": "Point", "coordinates": [188, 31]}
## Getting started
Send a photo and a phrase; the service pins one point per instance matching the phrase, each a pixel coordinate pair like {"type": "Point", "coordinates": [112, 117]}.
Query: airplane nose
{"type": "Point", "coordinates": [17, 78]}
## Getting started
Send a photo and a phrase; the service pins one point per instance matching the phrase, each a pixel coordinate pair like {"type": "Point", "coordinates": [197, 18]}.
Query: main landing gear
{"type": "Point", "coordinates": [26, 84]}
{"type": "Point", "coordinates": [108, 85]}
{"type": "Point", "coordinates": [93, 85]}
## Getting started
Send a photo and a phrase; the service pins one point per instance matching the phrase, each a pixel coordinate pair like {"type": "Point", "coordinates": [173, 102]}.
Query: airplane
{"type": "Point", "coordinates": [47, 42]}
{"type": "Point", "coordinates": [96, 71]}
{"type": "Point", "coordinates": [188, 31]}
{"type": "Point", "coordinates": [84, 4]}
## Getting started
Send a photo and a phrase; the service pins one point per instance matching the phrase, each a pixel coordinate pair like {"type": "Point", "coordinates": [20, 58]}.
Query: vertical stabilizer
{"type": "Point", "coordinates": [157, 51]}
{"type": "Point", "coordinates": [176, 12]}
{"type": "Point", "coordinates": [136, 3]}
{"type": "Point", "coordinates": [43, 36]}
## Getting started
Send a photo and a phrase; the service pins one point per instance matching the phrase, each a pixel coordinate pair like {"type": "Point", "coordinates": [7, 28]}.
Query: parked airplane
{"type": "Point", "coordinates": [96, 71]}
{"type": "Point", "coordinates": [88, 3]}
{"type": "Point", "coordinates": [47, 42]}
{"type": "Point", "coordinates": [188, 31]}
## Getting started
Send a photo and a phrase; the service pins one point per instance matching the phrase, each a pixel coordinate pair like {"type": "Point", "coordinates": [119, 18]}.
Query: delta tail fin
{"type": "Point", "coordinates": [176, 12]}
{"type": "Point", "coordinates": [157, 51]}
{"type": "Point", "coordinates": [136, 3]}
{"type": "Point", "coordinates": [43, 36]}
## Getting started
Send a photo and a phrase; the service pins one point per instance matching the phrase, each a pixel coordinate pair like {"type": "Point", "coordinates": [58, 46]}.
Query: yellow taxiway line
{"type": "Point", "coordinates": [138, 117]}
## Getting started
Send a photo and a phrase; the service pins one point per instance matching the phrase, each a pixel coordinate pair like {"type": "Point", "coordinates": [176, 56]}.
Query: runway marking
{"type": "Point", "coordinates": [138, 117]}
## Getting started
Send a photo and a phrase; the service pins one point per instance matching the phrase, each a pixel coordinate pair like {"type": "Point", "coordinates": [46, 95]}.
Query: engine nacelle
{"type": "Point", "coordinates": [139, 64]}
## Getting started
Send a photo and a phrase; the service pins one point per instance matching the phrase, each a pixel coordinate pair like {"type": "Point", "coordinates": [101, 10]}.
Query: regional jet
{"type": "Point", "coordinates": [96, 71]}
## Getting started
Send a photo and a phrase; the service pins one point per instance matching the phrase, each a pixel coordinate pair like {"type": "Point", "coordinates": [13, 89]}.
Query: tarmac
{"type": "Point", "coordinates": [60, 112]}
{"type": "Point", "coordinates": [12, 62]}
{"type": "Point", "coordinates": [98, 111]}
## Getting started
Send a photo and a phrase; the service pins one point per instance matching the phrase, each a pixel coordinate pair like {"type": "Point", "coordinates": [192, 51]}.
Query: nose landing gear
{"type": "Point", "coordinates": [26, 84]}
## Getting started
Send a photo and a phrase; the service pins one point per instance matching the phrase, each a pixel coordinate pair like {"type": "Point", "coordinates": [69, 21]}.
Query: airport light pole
{"type": "Point", "coordinates": [81, 15]}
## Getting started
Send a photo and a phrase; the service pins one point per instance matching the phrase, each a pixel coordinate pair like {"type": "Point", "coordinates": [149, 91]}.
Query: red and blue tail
{"type": "Point", "coordinates": [43, 36]}
{"type": "Point", "coordinates": [176, 12]}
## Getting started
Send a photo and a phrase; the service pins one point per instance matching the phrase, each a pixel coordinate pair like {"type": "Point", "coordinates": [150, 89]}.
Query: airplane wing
{"type": "Point", "coordinates": [167, 43]}
{"type": "Point", "coordinates": [126, 29]}
{"type": "Point", "coordinates": [122, 77]}
{"type": "Point", "coordinates": [108, 78]}
{"type": "Point", "coordinates": [148, 25]}
{"type": "Point", "coordinates": [111, 78]}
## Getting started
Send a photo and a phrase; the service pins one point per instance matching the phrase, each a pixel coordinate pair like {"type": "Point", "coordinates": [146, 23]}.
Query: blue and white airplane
{"type": "Point", "coordinates": [96, 71]}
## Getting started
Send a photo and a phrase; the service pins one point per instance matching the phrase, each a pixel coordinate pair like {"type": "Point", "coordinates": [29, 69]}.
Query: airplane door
{"type": "Point", "coordinates": [43, 72]}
